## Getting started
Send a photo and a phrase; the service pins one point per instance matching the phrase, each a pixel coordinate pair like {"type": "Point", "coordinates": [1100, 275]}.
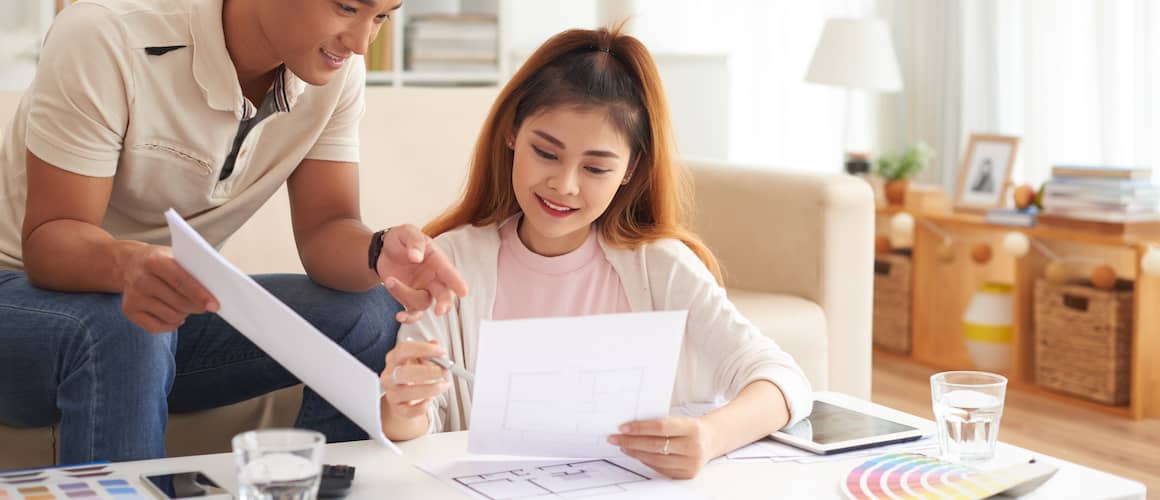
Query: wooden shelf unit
{"type": "Point", "coordinates": [389, 49]}
{"type": "Point", "coordinates": [942, 290]}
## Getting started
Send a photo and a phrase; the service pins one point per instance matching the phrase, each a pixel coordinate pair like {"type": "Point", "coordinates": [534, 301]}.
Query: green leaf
{"type": "Point", "coordinates": [904, 165]}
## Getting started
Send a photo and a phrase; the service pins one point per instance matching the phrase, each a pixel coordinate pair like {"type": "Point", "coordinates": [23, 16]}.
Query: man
{"type": "Point", "coordinates": [207, 107]}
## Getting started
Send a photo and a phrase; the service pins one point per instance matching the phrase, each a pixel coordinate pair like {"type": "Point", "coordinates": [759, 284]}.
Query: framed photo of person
{"type": "Point", "coordinates": [985, 175]}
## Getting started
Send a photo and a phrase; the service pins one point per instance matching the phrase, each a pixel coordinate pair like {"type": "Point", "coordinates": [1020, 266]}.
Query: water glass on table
{"type": "Point", "coordinates": [967, 408]}
{"type": "Point", "coordinates": [278, 464]}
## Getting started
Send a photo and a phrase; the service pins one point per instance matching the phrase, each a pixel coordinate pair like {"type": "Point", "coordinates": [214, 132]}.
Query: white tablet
{"type": "Point", "coordinates": [833, 428]}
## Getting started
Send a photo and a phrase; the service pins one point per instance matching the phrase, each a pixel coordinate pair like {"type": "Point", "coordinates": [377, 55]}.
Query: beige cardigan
{"type": "Point", "coordinates": [722, 353]}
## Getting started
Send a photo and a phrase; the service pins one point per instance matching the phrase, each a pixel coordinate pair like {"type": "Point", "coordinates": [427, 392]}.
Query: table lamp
{"type": "Point", "coordinates": [856, 54]}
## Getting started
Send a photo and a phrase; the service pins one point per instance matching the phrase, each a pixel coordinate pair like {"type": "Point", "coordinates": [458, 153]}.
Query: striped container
{"type": "Point", "coordinates": [988, 327]}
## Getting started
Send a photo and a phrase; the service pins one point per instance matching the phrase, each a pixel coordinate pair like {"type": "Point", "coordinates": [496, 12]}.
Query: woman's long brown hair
{"type": "Point", "coordinates": [594, 69]}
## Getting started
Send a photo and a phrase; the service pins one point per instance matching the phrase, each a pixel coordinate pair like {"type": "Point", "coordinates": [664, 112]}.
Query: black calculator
{"type": "Point", "coordinates": [335, 481]}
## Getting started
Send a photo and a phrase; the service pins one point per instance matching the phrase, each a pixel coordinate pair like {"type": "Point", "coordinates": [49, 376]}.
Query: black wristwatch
{"type": "Point", "coordinates": [376, 249]}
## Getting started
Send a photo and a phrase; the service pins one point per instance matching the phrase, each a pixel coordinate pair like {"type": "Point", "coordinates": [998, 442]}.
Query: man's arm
{"type": "Point", "coordinates": [65, 249]}
{"type": "Point", "coordinates": [328, 230]}
{"type": "Point", "coordinates": [333, 242]}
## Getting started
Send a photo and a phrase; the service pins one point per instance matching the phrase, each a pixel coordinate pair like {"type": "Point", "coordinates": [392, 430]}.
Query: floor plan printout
{"type": "Point", "coordinates": [557, 479]}
{"type": "Point", "coordinates": [558, 387]}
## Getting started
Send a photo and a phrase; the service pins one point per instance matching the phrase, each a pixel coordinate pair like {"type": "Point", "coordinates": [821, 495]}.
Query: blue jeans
{"type": "Point", "coordinates": [75, 359]}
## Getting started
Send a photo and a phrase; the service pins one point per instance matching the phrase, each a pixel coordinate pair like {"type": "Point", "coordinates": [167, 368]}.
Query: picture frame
{"type": "Point", "coordinates": [985, 174]}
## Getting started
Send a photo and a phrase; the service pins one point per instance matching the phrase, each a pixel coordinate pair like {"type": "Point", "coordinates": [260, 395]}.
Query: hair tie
{"type": "Point", "coordinates": [605, 50]}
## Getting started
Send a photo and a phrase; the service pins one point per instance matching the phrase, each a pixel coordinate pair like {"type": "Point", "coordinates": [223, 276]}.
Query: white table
{"type": "Point", "coordinates": [382, 474]}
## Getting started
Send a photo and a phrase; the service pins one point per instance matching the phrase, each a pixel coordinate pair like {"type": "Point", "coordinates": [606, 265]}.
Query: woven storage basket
{"type": "Point", "coordinates": [892, 302]}
{"type": "Point", "coordinates": [1083, 340]}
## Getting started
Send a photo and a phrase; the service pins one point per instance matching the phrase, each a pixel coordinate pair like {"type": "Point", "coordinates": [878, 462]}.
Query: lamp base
{"type": "Point", "coordinates": [858, 163]}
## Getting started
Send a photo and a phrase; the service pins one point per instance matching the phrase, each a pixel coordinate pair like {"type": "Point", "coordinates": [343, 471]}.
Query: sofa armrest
{"type": "Point", "coordinates": [799, 234]}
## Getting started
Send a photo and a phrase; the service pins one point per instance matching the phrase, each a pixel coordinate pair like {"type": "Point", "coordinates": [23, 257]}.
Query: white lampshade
{"type": "Point", "coordinates": [856, 53]}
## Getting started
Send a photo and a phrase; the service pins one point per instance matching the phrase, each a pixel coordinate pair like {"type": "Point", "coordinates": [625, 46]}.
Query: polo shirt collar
{"type": "Point", "coordinates": [287, 87]}
{"type": "Point", "coordinates": [214, 70]}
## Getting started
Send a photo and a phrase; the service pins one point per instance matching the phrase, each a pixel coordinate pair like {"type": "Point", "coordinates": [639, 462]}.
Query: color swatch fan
{"type": "Point", "coordinates": [913, 476]}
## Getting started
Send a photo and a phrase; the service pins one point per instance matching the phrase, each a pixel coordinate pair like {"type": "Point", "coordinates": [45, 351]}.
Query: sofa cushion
{"type": "Point", "coordinates": [33, 446]}
{"type": "Point", "coordinates": [210, 431]}
{"type": "Point", "coordinates": [192, 433]}
{"type": "Point", "coordinates": [796, 324]}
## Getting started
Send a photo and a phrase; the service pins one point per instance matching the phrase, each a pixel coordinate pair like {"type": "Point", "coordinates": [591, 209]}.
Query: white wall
{"type": "Point", "coordinates": [22, 27]}
{"type": "Point", "coordinates": [774, 117]}
{"type": "Point", "coordinates": [533, 21]}
{"type": "Point", "coordinates": [415, 145]}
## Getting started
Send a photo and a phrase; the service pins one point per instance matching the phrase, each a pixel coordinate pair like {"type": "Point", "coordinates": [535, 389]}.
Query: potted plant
{"type": "Point", "coordinates": [898, 168]}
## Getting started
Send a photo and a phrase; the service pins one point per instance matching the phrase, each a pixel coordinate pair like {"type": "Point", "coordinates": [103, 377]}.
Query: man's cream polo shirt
{"type": "Point", "coordinates": [144, 91]}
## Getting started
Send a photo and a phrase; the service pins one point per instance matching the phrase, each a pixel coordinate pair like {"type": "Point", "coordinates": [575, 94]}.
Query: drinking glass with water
{"type": "Point", "coordinates": [278, 464]}
{"type": "Point", "coordinates": [967, 409]}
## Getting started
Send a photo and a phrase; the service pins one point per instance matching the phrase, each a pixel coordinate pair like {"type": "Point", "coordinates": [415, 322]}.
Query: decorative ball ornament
{"type": "Point", "coordinates": [1055, 272]}
{"type": "Point", "coordinates": [1016, 243]}
{"type": "Point", "coordinates": [1104, 277]}
{"type": "Point", "coordinates": [902, 223]}
{"type": "Point", "coordinates": [1023, 196]}
{"type": "Point", "coordinates": [1150, 262]}
{"type": "Point", "coordinates": [902, 230]}
{"type": "Point", "coordinates": [981, 253]}
{"type": "Point", "coordinates": [881, 244]}
{"type": "Point", "coordinates": [945, 251]}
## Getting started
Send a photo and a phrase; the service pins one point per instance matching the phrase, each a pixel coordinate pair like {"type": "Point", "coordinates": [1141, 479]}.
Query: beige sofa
{"type": "Point", "coordinates": [797, 251]}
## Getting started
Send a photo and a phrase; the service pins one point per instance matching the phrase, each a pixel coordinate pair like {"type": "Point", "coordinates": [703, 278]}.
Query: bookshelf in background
{"type": "Point", "coordinates": [441, 43]}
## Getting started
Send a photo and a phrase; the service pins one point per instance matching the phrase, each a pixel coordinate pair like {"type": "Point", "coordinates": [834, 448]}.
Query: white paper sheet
{"type": "Point", "coordinates": [605, 479]}
{"type": "Point", "coordinates": [275, 328]}
{"type": "Point", "coordinates": [558, 387]}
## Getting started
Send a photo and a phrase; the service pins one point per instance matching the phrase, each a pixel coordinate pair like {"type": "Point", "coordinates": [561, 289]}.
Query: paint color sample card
{"type": "Point", "coordinates": [908, 476]}
{"type": "Point", "coordinates": [88, 482]}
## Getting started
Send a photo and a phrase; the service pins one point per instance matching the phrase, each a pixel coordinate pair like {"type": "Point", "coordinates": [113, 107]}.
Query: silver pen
{"type": "Point", "coordinates": [446, 363]}
{"type": "Point", "coordinates": [452, 367]}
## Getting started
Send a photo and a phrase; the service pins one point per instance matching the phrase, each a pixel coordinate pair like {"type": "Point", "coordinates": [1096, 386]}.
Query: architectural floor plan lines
{"type": "Point", "coordinates": [558, 387]}
{"type": "Point", "coordinates": [564, 480]}
{"type": "Point", "coordinates": [599, 400]}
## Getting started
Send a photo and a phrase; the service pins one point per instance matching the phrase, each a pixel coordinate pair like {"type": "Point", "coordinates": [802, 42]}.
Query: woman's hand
{"type": "Point", "coordinates": [674, 446]}
{"type": "Point", "coordinates": [409, 383]}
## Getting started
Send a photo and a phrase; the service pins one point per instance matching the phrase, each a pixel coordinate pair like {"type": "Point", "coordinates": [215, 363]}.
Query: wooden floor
{"type": "Point", "coordinates": [1128, 448]}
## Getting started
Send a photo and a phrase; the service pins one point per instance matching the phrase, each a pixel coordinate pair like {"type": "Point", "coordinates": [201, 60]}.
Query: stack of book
{"type": "Point", "coordinates": [1102, 194]}
{"type": "Point", "coordinates": [452, 43]}
{"type": "Point", "coordinates": [380, 55]}
{"type": "Point", "coordinates": [1012, 217]}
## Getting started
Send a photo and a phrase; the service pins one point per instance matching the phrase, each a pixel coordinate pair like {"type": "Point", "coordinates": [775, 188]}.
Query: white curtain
{"type": "Point", "coordinates": [775, 117]}
{"type": "Point", "coordinates": [1077, 80]}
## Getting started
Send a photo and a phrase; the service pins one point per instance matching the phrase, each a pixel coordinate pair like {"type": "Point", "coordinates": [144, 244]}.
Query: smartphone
{"type": "Point", "coordinates": [189, 484]}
